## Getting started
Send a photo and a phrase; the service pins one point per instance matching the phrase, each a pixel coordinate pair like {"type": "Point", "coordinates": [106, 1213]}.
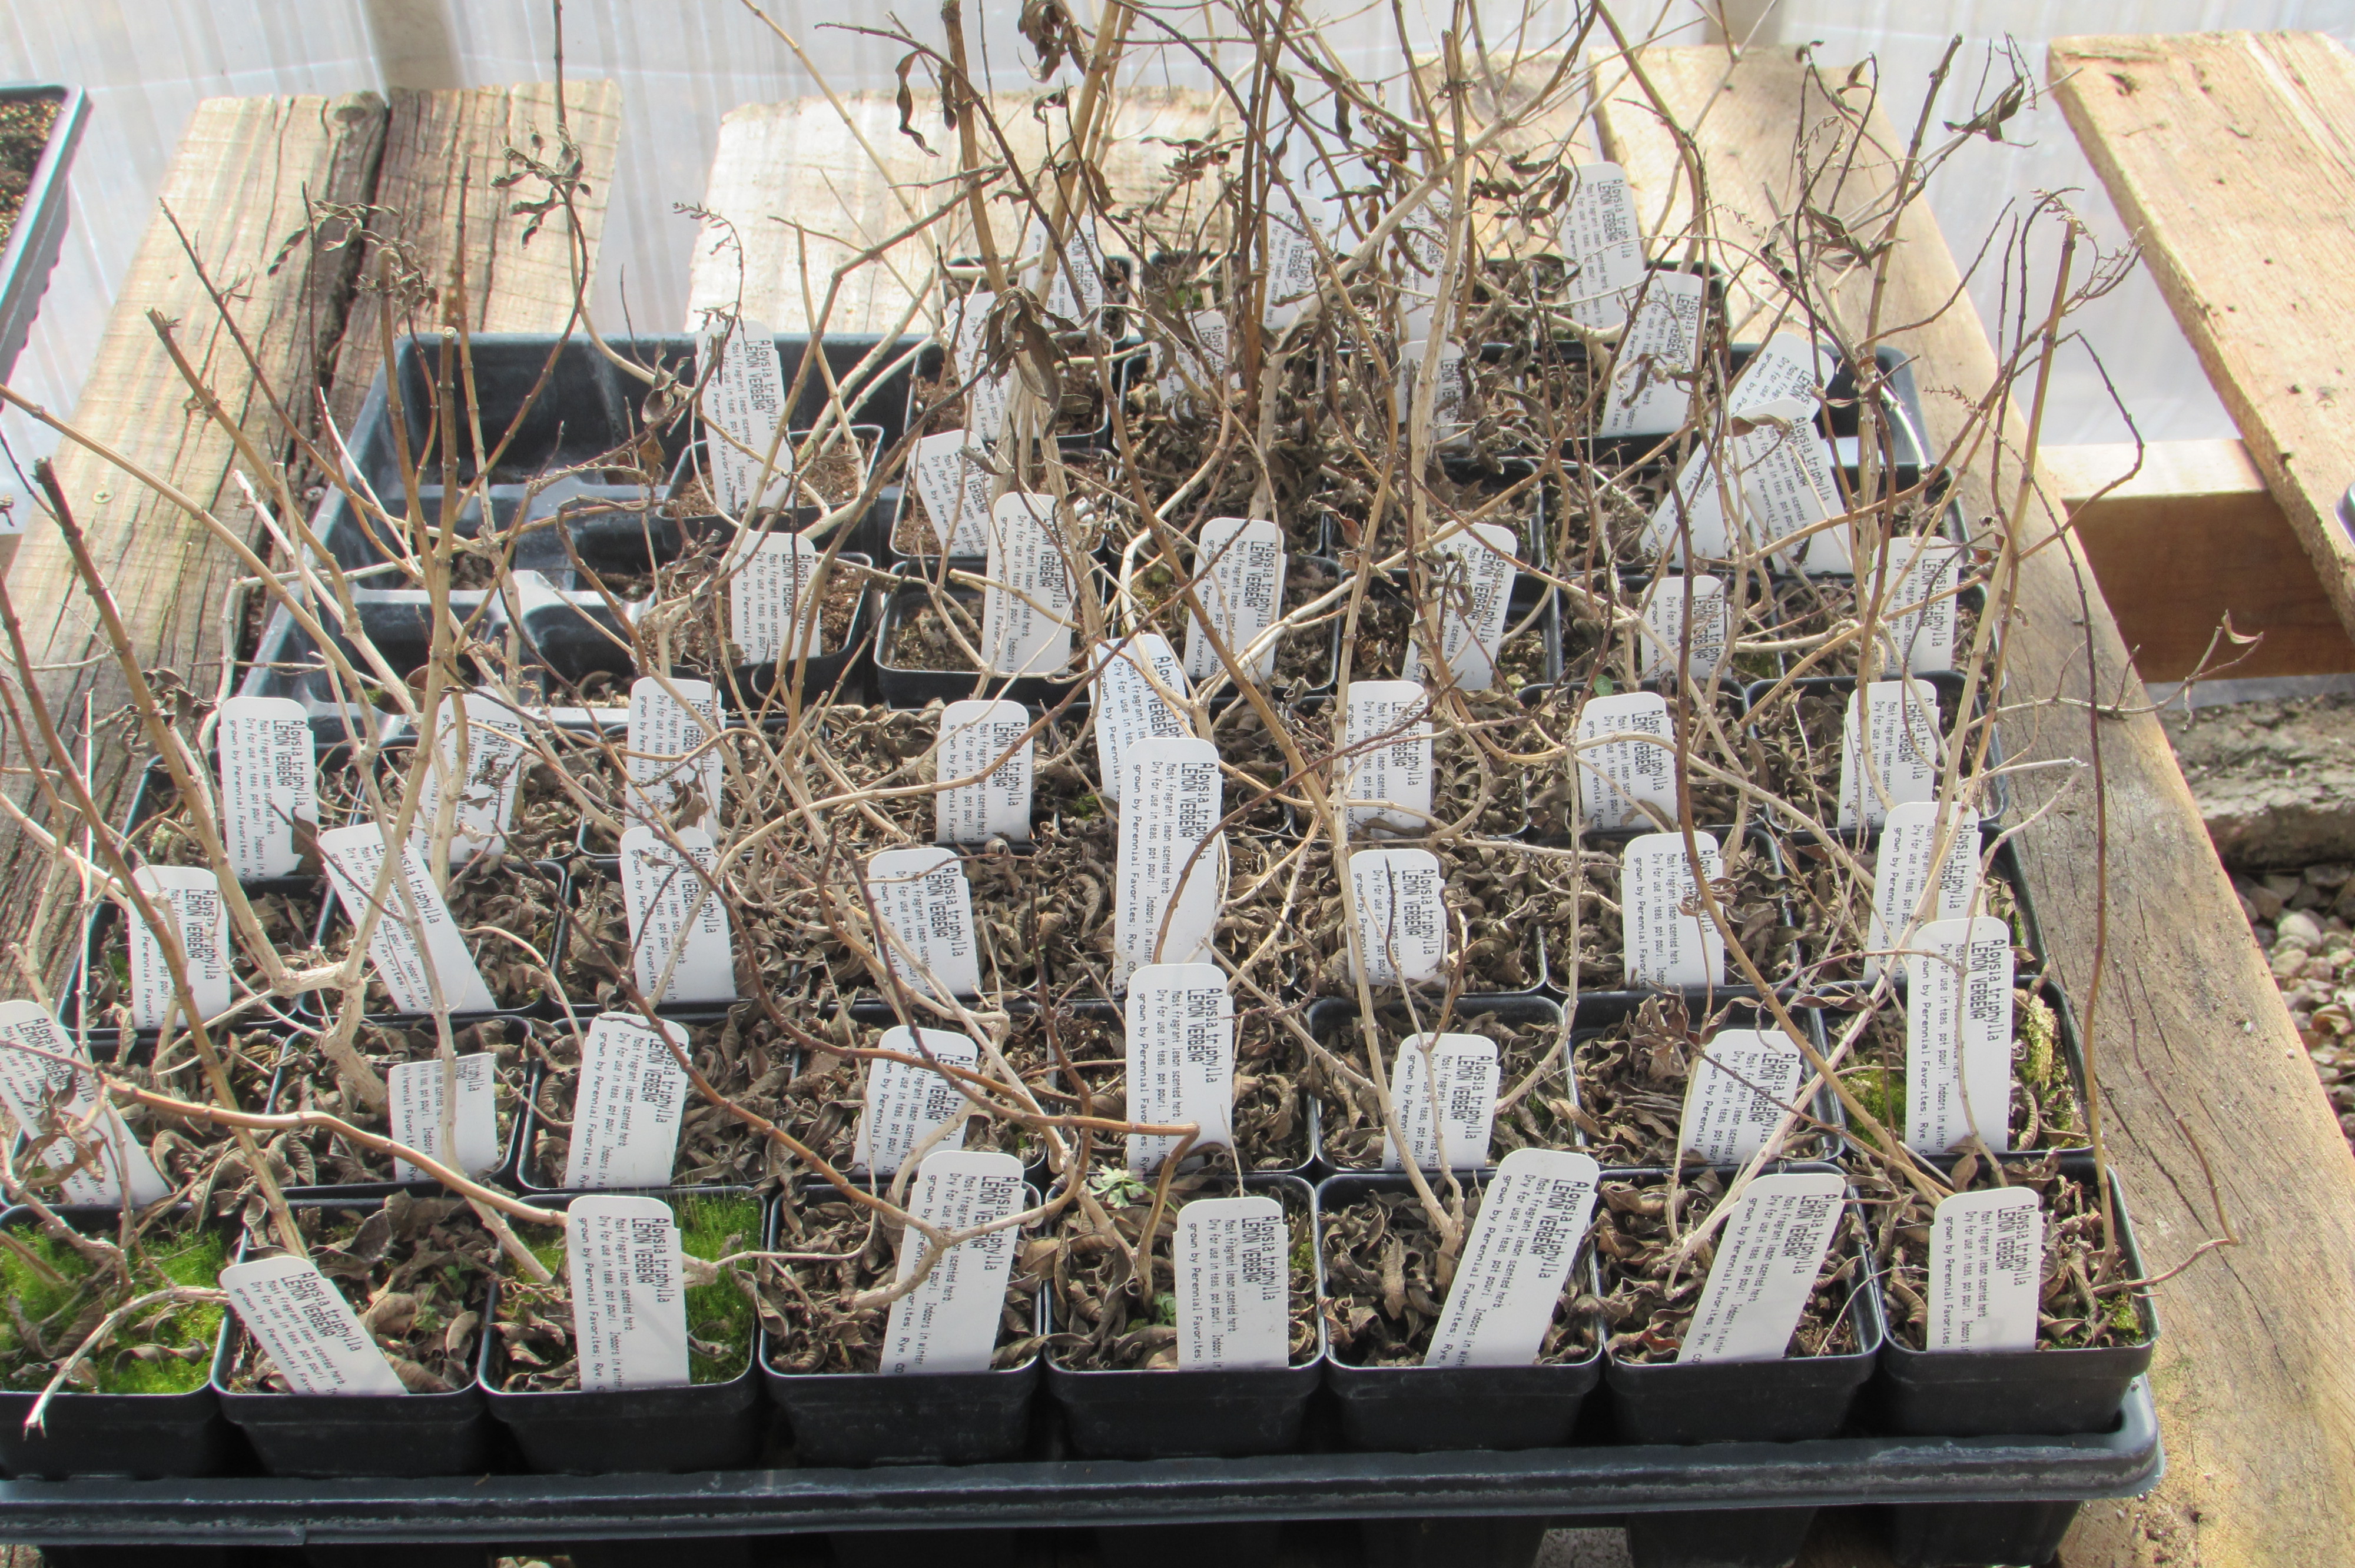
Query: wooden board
{"type": "Point", "coordinates": [778, 166]}
{"type": "Point", "coordinates": [442, 152]}
{"type": "Point", "coordinates": [2231, 157]}
{"type": "Point", "coordinates": [2256, 1394]}
{"type": "Point", "coordinates": [239, 183]}
{"type": "Point", "coordinates": [2192, 538]}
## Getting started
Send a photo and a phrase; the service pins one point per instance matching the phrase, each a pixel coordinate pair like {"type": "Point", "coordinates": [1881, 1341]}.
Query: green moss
{"type": "Point", "coordinates": [177, 1341]}
{"type": "Point", "coordinates": [719, 1313]}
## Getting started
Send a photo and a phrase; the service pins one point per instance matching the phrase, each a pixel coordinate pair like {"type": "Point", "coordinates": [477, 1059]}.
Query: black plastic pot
{"type": "Point", "coordinates": [911, 686]}
{"type": "Point", "coordinates": [40, 227]}
{"type": "Point", "coordinates": [1333, 1015]}
{"type": "Point", "coordinates": [143, 1436]}
{"type": "Point", "coordinates": [1995, 790]}
{"type": "Point", "coordinates": [333, 920]}
{"type": "Point", "coordinates": [691, 465]}
{"type": "Point", "coordinates": [2026, 933]}
{"type": "Point", "coordinates": [2042, 1393]}
{"type": "Point", "coordinates": [858, 1419]}
{"type": "Point", "coordinates": [1784, 1400]}
{"type": "Point", "coordinates": [703, 1426]}
{"type": "Point", "coordinates": [1422, 1409]}
{"type": "Point", "coordinates": [1600, 1010]}
{"type": "Point", "coordinates": [334, 1437]}
{"type": "Point", "coordinates": [1202, 1414]}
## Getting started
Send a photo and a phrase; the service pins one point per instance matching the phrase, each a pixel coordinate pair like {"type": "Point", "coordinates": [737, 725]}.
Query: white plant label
{"type": "Point", "coordinates": [1402, 915]}
{"type": "Point", "coordinates": [773, 615]}
{"type": "Point", "coordinates": [1889, 750]}
{"type": "Point", "coordinates": [1238, 576]}
{"type": "Point", "coordinates": [926, 905]}
{"type": "Point", "coordinates": [485, 777]}
{"type": "Point", "coordinates": [1473, 580]}
{"type": "Point", "coordinates": [743, 395]}
{"type": "Point", "coordinates": [1129, 708]}
{"type": "Point", "coordinates": [1232, 1284]}
{"type": "Point", "coordinates": [629, 1293]}
{"type": "Point", "coordinates": [1736, 1097]}
{"type": "Point", "coordinates": [1666, 938]}
{"type": "Point", "coordinates": [985, 394]}
{"type": "Point", "coordinates": [679, 921]}
{"type": "Point", "coordinates": [1768, 1255]}
{"type": "Point", "coordinates": [414, 1089]}
{"type": "Point", "coordinates": [1958, 1036]}
{"type": "Point", "coordinates": [974, 734]}
{"type": "Point", "coordinates": [1077, 291]}
{"type": "Point", "coordinates": [949, 1322]}
{"type": "Point", "coordinates": [1198, 368]}
{"type": "Point", "coordinates": [663, 731]}
{"type": "Point", "coordinates": [1443, 1087]}
{"type": "Point", "coordinates": [1651, 386]}
{"type": "Point", "coordinates": [1787, 367]}
{"type": "Point", "coordinates": [1169, 818]}
{"type": "Point", "coordinates": [1986, 1269]}
{"type": "Point", "coordinates": [191, 900]}
{"type": "Point", "coordinates": [1917, 621]}
{"type": "Point", "coordinates": [907, 1103]}
{"type": "Point", "coordinates": [1447, 388]}
{"type": "Point", "coordinates": [47, 1095]}
{"type": "Point", "coordinates": [1423, 231]}
{"type": "Point", "coordinates": [1025, 611]}
{"type": "Point", "coordinates": [1619, 777]}
{"type": "Point", "coordinates": [1673, 601]}
{"type": "Point", "coordinates": [1291, 272]}
{"type": "Point", "coordinates": [628, 1107]}
{"type": "Point", "coordinates": [1517, 1262]}
{"type": "Point", "coordinates": [400, 948]}
{"type": "Point", "coordinates": [953, 484]}
{"type": "Point", "coordinates": [1604, 243]}
{"type": "Point", "coordinates": [307, 1328]}
{"type": "Point", "coordinates": [1386, 744]}
{"type": "Point", "coordinates": [1901, 873]}
{"type": "Point", "coordinates": [269, 781]}
{"type": "Point", "coordinates": [1181, 1059]}
{"type": "Point", "coordinates": [1787, 486]}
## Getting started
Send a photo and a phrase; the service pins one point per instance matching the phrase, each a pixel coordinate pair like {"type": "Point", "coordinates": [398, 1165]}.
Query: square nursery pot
{"type": "Point", "coordinates": [703, 1426]}
{"type": "Point", "coordinates": [913, 686]}
{"type": "Point", "coordinates": [1337, 1016]}
{"type": "Point", "coordinates": [856, 1419]}
{"type": "Point", "coordinates": [691, 468]}
{"type": "Point", "coordinates": [142, 1436]}
{"type": "Point", "coordinates": [2039, 1393]}
{"type": "Point", "coordinates": [1192, 1415]}
{"type": "Point", "coordinates": [1424, 1409]}
{"type": "Point", "coordinates": [338, 1436]}
{"type": "Point", "coordinates": [1991, 788]}
{"type": "Point", "coordinates": [336, 922]}
{"type": "Point", "coordinates": [1600, 1012]}
{"type": "Point", "coordinates": [1789, 1400]}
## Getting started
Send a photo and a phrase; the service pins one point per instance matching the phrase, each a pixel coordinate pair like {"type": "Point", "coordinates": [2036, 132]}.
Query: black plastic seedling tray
{"type": "Point", "coordinates": [1956, 1486]}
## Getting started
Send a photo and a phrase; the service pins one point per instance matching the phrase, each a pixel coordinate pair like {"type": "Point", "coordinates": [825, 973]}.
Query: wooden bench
{"type": "Point", "coordinates": [250, 176]}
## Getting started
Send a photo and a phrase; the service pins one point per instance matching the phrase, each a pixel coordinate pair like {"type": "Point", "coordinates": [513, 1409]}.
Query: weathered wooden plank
{"type": "Point", "coordinates": [443, 151]}
{"type": "Point", "coordinates": [2258, 1397]}
{"type": "Point", "coordinates": [2193, 537]}
{"type": "Point", "coordinates": [2231, 156]}
{"type": "Point", "coordinates": [798, 190]}
{"type": "Point", "coordinates": [246, 176]}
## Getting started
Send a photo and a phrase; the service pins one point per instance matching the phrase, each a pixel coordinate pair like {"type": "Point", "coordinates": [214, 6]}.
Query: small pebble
{"type": "Point", "coordinates": [2298, 928]}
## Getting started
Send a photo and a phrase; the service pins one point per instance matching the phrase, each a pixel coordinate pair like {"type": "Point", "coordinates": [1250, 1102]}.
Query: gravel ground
{"type": "Point", "coordinates": [2300, 919]}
